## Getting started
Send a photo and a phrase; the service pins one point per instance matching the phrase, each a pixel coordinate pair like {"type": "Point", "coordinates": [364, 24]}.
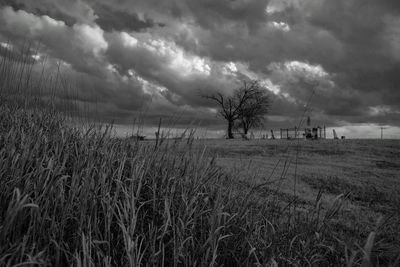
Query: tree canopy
{"type": "Point", "coordinates": [247, 105]}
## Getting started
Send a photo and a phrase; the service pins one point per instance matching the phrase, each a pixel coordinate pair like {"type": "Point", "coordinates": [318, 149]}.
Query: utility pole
{"type": "Point", "coordinates": [382, 128]}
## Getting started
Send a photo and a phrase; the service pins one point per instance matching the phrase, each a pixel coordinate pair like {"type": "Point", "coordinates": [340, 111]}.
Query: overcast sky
{"type": "Point", "coordinates": [156, 56]}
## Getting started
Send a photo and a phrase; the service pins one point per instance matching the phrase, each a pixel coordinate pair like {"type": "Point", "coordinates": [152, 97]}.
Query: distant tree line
{"type": "Point", "coordinates": [245, 108]}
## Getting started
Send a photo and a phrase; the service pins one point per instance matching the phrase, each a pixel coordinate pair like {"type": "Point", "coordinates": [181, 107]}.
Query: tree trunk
{"type": "Point", "coordinates": [245, 130]}
{"type": "Point", "coordinates": [245, 127]}
{"type": "Point", "coordinates": [230, 127]}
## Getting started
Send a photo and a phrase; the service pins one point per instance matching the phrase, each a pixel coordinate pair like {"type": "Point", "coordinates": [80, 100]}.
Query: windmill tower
{"type": "Point", "coordinates": [307, 130]}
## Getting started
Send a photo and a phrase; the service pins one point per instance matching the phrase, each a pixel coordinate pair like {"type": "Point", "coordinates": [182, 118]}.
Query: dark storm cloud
{"type": "Point", "coordinates": [345, 52]}
{"type": "Point", "coordinates": [211, 14]}
{"type": "Point", "coordinates": [12, 3]}
{"type": "Point", "coordinates": [368, 31]}
{"type": "Point", "coordinates": [70, 12]}
{"type": "Point", "coordinates": [109, 20]}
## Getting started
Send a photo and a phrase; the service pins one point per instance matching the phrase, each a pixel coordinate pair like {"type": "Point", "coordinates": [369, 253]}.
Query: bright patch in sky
{"type": "Point", "coordinates": [131, 73]}
{"type": "Point", "coordinates": [271, 9]}
{"type": "Point", "coordinates": [280, 26]}
{"type": "Point", "coordinates": [91, 38]}
{"type": "Point", "coordinates": [112, 68]}
{"type": "Point", "coordinates": [151, 88]}
{"type": "Point", "coordinates": [128, 40]}
{"type": "Point", "coordinates": [381, 110]}
{"type": "Point", "coordinates": [231, 67]}
{"type": "Point", "coordinates": [189, 66]}
{"type": "Point", "coordinates": [53, 22]}
{"type": "Point", "coordinates": [314, 71]}
{"type": "Point", "coordinates": [183, 63]}
{"type": "Point", "coordinates": [267, 83]}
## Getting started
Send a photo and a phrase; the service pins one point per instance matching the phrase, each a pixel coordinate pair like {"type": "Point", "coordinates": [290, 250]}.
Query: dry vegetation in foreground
{"type": "Point", "coordinates": [80, 197]}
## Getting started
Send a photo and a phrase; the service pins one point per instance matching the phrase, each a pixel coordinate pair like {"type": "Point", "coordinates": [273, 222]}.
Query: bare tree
{"type": "Point", "coordinates": [243, 104]}
{"type": "Point", "coordinates": [252, 113]}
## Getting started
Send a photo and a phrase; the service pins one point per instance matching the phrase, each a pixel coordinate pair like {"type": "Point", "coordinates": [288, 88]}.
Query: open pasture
{"type": "Point", "coordinates": [365, 172]}
{"type": "Point", "coordinates": [335, 166]}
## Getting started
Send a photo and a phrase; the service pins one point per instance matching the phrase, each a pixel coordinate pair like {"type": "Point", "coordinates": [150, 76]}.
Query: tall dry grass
{"type": "Point", "coordinates": [87, 199]}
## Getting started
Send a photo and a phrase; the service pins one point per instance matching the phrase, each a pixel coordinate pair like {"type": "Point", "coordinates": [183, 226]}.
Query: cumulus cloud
{"type": "Point", "coordinates": [344, 52]}
{"type": "Point", "coordinates": [80, 45]}
{"type": "Point", "coordinates": [183, 75]}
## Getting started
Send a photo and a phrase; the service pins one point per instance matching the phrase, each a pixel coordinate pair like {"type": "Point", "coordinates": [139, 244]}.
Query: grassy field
{"type": "Point", "coordinates": [367, 172]}
{"type": "Point", "coordinates": [367, 169]}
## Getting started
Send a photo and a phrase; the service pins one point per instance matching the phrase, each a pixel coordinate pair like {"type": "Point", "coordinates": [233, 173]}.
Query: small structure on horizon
{"type": "Point", "coordinates": [315, 132]}
{"type": "Point", "coordinates": [312, 133]}
{"type": "Point", "coordinates": [318, 132]}
{"type": "Point", "coordinates": [335, 134]}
